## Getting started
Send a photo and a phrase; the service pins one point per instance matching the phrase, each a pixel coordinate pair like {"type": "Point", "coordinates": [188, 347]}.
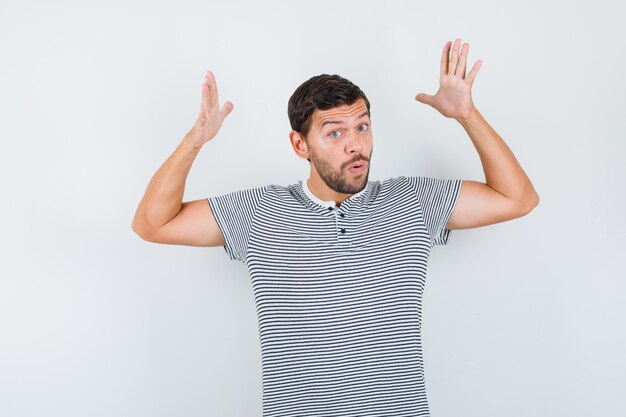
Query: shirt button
{"type": "Point", "coordinates": [343, 230]}
{"type": "Point", "coordinates": [330, 208]}
{"type": "Point", "coordinates": [342, 215]}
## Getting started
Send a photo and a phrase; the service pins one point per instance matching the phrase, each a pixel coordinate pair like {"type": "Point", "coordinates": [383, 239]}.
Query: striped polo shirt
{"type": "Point", "coordinates": [338, 291]}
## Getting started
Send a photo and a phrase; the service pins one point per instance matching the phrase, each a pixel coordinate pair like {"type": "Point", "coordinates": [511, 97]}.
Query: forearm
{"type": "Point", "coordinates": [503, 172]}
{"type": "Point", "coordinates": [162, 199]}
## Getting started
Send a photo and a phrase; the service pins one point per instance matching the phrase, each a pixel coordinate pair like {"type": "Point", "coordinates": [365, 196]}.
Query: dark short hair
{"type": "Point", "coordinates": [321, 92]}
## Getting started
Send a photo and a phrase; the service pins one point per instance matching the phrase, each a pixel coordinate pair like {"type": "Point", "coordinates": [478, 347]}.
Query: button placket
{"type": "Point", "coordinates": [340, 227]}
{"type": "Point", "coordinates": [334, 209]}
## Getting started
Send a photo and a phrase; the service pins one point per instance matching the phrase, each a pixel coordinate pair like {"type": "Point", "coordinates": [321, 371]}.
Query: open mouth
{"type": "Point", "coordinates": [357, 167]}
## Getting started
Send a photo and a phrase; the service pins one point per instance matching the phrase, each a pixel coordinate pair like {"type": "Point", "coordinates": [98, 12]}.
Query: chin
{"type": "Point", "coordinates": [362, 185]}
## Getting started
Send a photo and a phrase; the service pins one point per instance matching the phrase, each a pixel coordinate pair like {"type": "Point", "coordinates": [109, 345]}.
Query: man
{"type": "Point", "coordinates": [338, 263]}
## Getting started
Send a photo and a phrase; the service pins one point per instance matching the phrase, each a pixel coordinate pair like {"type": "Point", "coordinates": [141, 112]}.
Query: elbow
{"type": "Point", "coordinates": [134, 225]}
{"type": "Point", "coordinates": [530, 203]}
{"type": "Point", "coordinates": [140, 226]}
{"type": "Point", "coordinates": [136, 230]}
{"type": "Point", "coordinates": [144, 236]}
{"type": "Point", "coordinates": [139, 231]}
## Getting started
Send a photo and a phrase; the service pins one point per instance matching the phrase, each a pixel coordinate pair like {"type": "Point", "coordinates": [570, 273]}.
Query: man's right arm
{"type": "Point", "coordinates": [161, 216]}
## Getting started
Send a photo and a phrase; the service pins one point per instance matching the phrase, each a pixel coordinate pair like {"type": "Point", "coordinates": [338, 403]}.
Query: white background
{"type": "Point", "coordinates": [523, 318]}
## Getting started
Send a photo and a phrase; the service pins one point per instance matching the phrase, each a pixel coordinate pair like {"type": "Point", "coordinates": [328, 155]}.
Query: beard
{"type": "Point", "coordinates": [342, 180]}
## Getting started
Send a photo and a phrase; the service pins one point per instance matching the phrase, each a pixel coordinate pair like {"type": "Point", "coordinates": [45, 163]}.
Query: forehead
{"type": "Point", "coordinates": [344, 112]}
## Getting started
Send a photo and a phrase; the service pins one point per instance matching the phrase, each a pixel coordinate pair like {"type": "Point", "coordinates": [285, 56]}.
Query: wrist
{"type": "Point", "coordinates": [472, 115]}
{"type": "Point", "coordinates": [192, 142]}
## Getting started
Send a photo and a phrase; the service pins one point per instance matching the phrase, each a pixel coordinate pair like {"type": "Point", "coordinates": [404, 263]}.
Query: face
{"type": "Point", "coordinates": [339, 138]}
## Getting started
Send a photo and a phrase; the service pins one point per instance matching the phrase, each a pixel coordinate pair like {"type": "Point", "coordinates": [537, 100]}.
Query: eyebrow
{"type": "Point", "coordinates": [327, 122]}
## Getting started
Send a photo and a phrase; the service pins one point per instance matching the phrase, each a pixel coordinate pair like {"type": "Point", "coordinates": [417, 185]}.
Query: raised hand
{"type": "Point", "coordinates": [211, 116]}
{"type": "Point", "coordinates": [454, 97]}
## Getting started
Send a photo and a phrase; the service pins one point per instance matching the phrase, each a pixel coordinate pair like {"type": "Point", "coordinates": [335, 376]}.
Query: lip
{"type": "Point", "coordinates": [362, 167]}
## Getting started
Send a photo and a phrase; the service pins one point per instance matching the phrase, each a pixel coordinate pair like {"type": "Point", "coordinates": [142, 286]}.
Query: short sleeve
{"type": "Point", "coordinates": [437, 197]}
{"type": "Point", "coordinates": [234, 213]}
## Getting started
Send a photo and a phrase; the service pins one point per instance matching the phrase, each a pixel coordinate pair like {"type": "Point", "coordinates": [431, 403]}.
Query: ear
{"type": "Point", "coordinates": [298, 144]}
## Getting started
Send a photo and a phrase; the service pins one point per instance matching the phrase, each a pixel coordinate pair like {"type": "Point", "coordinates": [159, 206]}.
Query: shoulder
{"type": "Point", "coordinates": [393, 181]}
{"type": "Point", "coordinates": [393, 184]}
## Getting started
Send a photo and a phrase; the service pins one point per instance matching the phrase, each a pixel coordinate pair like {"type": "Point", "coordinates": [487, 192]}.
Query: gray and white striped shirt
{"type": "Point", "coordinates": [338, 291]}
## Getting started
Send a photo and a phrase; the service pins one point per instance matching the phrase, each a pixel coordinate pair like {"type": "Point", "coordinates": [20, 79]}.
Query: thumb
{"type": "Point", "coordinates": [424, 98]}
{"type": "Point", "coordinates": [226, 109]}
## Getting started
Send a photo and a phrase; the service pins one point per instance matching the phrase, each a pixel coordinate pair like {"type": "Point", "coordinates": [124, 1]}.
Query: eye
{"type": "Point", "coordinates": [364, 127]}
{"type": "Point", "coordinates": [332, 134]}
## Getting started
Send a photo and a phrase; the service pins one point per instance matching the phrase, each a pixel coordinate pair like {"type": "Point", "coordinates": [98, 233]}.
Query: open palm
{"type": "Point", "coordinates": [210, 116]}
{"type": "Point", "coordinates": [454, 97]}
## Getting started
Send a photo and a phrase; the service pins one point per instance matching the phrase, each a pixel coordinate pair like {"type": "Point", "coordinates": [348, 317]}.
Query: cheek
{"type": "Point", "coordinates": [326, 146]}
{"type": "Point", "coordinates": [329, 152]}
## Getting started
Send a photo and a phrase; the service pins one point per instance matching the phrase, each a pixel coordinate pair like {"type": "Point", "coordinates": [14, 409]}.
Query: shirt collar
{"type": "Point", "coordinates": [323, 203]}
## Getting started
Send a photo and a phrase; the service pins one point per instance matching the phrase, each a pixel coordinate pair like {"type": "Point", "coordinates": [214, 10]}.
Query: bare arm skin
{"type": "Point", "coordinates": [161, 216]}
{"type": "Point", "coordinates": [508, 192]}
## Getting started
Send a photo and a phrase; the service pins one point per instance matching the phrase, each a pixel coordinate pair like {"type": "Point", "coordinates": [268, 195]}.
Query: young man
{"type": "Point", "coordinates": [338, 263]}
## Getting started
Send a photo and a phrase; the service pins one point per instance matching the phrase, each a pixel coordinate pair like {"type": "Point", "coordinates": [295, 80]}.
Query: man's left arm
{"type": "Point", "coordinates": [508, 192]}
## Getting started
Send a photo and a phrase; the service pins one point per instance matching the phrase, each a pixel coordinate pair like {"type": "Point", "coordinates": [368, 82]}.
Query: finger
{"type": "Point", "coordinates": [205, 95]}
{"type": "Point", "coordinates": [205, 90]}
{"type": "Point", "coordinates": [472, 74]}
{"type": "Point", "coordinates": [202, 93]}
{"type": "Point", "coordinates": [444, 59]}
{"type": "Point", "coordinates": [454, 59]}
{"type": "Point", "coordinates": [463, 61]}
{"type": "Point", "coordinates": [226, 109]}
{"type": "Point", "coordinates": [213, 102]}
{"type": "Point", "coordinates": [424, 98]}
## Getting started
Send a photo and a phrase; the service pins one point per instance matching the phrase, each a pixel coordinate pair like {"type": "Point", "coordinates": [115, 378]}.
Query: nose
{"type": "Point", "coordinates": [354, 144]}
